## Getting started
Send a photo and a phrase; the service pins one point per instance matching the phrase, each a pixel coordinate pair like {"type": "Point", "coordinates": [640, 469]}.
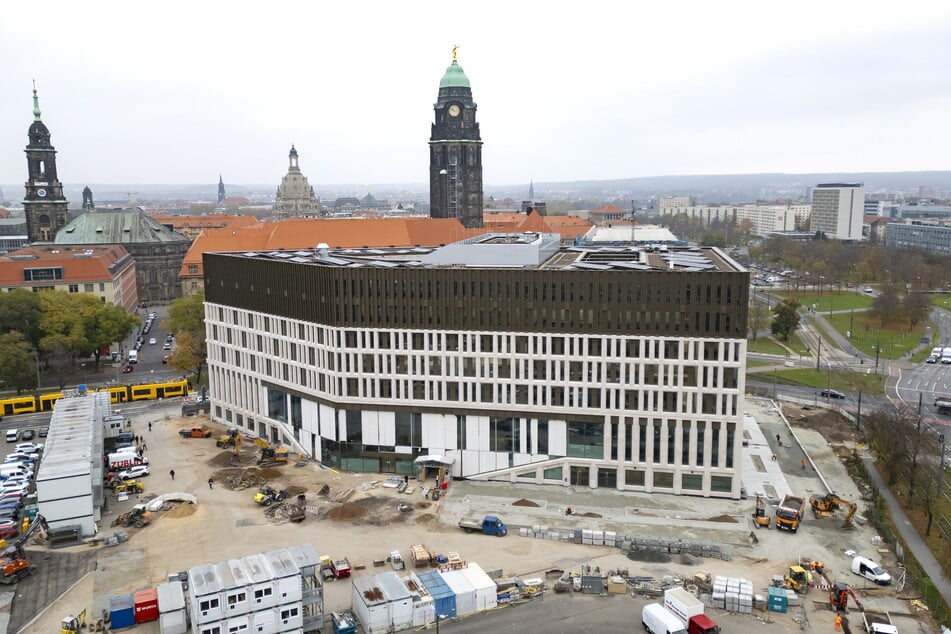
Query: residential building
{"type": "Point", "coordinates": [762, 219]}
{"type": "Point", "coordinates": [508, 356]}
{"type": "Point", "coordinates": [455, 151]}
{"type": "Point", "coordinates": [676, 201]}
{"type": "Point", "coordinates": [191, 226]}
{"type": "Point", "coordinates": [108, 272]}
{"type": "Point", "coordinates": [838, 210]}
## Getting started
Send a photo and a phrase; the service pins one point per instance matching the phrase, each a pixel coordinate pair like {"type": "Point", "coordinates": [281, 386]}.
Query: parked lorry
{"type": "Point", "coordinates": [689, 609]}
{"type": "Point", "coordinates": [490, 525]}
{"type": "Point", "coordinates": [789, 513]}
{"type": "Point", "coordinates": [124, 460]}
{"type": "Point", "coordinates": [878, 622]}
{"type": "Point", "coordinates": [196, 431]}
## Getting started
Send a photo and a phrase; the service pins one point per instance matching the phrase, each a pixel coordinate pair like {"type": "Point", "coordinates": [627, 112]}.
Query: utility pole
{"type": "Point", "coordinates": [858, 415]}
{"type": "Point", "coordinates": [941, 469]}
{"type": "Point", "coordinates": [818, 349]}
{"type": "Point", "coordinates": [878, 348]}
{"type": "Point", "coordinates": [920, 396]}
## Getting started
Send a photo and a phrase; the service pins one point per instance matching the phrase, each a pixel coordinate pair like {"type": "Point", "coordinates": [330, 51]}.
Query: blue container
{"type": "Point", "coordinates": [121, 612]}
{"type": "Point", "coordinates": [444, 599]}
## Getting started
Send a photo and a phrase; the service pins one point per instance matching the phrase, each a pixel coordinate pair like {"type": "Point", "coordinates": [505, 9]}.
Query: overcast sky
{"type": "Point", "coordinates": [178, 92]}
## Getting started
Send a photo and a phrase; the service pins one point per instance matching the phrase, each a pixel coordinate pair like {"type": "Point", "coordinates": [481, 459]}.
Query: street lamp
{"type": "Point", "coordinates": [439, 617]}
{"type": "Point", "coordinates": [83, 366]}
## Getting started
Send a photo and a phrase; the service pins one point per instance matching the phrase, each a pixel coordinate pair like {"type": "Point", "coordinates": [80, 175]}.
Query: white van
{"type": "Point", "coordinates": [13, 435]}
{"type": "Point", "coordinates": [133, 356]}
{"type": "Point", "coordinates": [872, 571]}
{"type": "Point", "coordinates": [657, 619]}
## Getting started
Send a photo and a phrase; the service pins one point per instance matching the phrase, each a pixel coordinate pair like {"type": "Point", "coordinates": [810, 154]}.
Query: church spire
{"type": "Point", "coordinates": [221, 190]}
{"type": "Point", "coordinates": [36, 104]}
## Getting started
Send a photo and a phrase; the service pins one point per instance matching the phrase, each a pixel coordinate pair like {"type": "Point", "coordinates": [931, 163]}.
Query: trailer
{"type": "Point", "coordinates": [878, 622]}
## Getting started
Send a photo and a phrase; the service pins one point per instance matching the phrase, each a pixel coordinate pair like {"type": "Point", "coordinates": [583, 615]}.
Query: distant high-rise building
{"type": "Point", "coordinates": [676, 201]}
{"type": "Point", "coordinates": [45, 206]}
{"type": "Point", "coordinates": [455, 152]}
{"type": "Point", "coordinates": [838, 210]}
{"type": "Point", "coordinates": [295, 196]}
{"type": "Point", "coordinates": [221, 190]}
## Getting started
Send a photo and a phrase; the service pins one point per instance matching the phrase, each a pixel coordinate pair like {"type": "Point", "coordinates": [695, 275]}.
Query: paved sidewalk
{"type": "Point", "coordinates": [910, 534]}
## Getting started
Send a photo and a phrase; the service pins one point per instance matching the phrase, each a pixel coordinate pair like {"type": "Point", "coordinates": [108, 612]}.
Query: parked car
{"type": "Point", "coordinates": [136, 471]}
{"type": "Point", "coordinates": [165, 358]}
{"type": "Point", "coordinates": [152, 341]}
{"type": "Point", "coordinates": [8, 528]}
{"type": "Point", "coordinates": [44, 432]}
{"type": "Point", "coordinates": [27, 434]}
{"type": "Point", "coordinates": [864, 567]}
{"type": "Point", "coordinates": [28, 447]}
{"type": "Point", "coordinates": [831, 394]}
{"type": "Point", "coordinates": [167, 346]}
{"type": "Point", "coordinates": [128, 369]}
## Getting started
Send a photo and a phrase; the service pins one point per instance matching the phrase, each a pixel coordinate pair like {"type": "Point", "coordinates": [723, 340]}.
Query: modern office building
{"type": "Point", "coordinates": [838, 210]}
{"type": "Point", "coordinates": [933, 236]}
{"type": "Point", "coordinates": [504, 356]}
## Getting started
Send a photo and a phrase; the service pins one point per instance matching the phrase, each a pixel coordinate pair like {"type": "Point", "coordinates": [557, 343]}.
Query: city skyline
{"type": "Point", "coordinates": [180, 96]}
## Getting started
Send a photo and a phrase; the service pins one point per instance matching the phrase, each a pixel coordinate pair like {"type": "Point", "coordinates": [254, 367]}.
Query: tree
{"type": "Point", "coordinates": [17, 370]}
{"type": "Point", "coordinates": [20, 311]}
{"type": "Point", "coordinates": [916, 308]}
{"type": "Point", "coordinates": [758, 316]}
{"type": "Point", "coordinates": [886, 306]}
{"type": "Point", "coordinates": [786, 319]}
{"type": "Point", "coordinates": [186, 318]}
{"type": "Point", "coordinates": [104, 324]}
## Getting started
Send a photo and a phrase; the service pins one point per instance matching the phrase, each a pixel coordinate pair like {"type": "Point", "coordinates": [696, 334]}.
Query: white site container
{"type": "Point", "coordinates": [399, 598]}
{"type": "Point", "coordinates": [289, 617]}
{"type": "Point", "coordinates": [281, 563]}
{"type": "Point", "coordinates": [370, 605]}
{"type": "Point", "coordinates": [464, 591]}
{"type": "Point", "coordinates": [171, 596]}
{"type": "Point", "coordinates": [263, 585]}
{"type": "Point", "coordinates": [424, 610]}
{"type": "Point", "coordinates": [173, 622]}
{"type": "Point", "coordinates": [288, 590]}
{"type": "Point", "coordinates": [214, 627]}
{"type": "Point", "coordinates": [236, 590]}
{"type": "Point", "coordinates": [204, 593]}
{"type": "Point", "coordinates": [485, 589]}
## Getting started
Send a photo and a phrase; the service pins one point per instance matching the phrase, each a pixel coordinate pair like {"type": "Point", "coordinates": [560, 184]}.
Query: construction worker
{"type": "Point", "coordinates": [838, 622]}
{"type": "Point", "coordinates": [803, 464]}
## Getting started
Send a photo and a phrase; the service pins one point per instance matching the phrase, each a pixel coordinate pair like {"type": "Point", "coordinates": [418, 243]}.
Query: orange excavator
{"type": "Point", "coordinates": [14, 562]}
{"type": "Point", "coordinates": [839, 597]}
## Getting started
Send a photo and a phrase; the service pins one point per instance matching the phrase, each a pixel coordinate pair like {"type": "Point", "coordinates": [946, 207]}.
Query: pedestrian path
{"type": "Point", "coordinates": [910, 534]}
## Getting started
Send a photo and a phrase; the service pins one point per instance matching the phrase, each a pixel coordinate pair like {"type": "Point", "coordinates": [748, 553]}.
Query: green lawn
{"type": "Point", "coordinates": [836, 300]}
{"type": "Point", "coordinates": [842, 381]}
{"type": "Point", "coordinates": [757, 364]}
{"type": "Point", "coordinates": [892, 342]}
{"type": "Point", "coordinates": [941, 301]}
{"type": "Point", "coordinates": [797, 344]}
{"type": "Point", "coordinates": [765, 345]}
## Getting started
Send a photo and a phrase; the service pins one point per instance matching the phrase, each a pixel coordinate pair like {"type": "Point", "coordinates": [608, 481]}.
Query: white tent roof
{"type": "Point", "coordinates": [434, 458]}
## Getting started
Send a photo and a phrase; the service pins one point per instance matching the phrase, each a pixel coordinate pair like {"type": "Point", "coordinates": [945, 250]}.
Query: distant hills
{"type": "Point", "coordinates": [705, 187]}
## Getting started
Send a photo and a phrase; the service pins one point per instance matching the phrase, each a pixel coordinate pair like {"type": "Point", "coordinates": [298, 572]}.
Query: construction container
{"type": "Point", "coordinates": [290, 617]}
{"type": "Point", "coordinates": [464, 591]}
{"type": "Point", "coordinates": [171, 596]}
{"type": "Point", "coordinates": [399, 598]}
{"type": "Point", "coordinates": [263, 592]}
{"type": "Point", "coordinates": [173, 622]}
{"type": "Point", "coordinates": [121, 611]}
{"type": "Point", "coordinates": [216, 627]}
{"type": "Point", "coordinates": [234, 580]}
{"type": "Point", "coordinates": [370, 605]}
{"type": "Point", "coordinates": [305, 558]}
{"type": "Point", "coordinates": [444, 599]}
{"type": "Point", "coordinates": [262, 622]}
{"type": "Point", "coordinates": [486, 591]}
{"type": "Point", "coordinates": [776, 600]}
{"type": "Point", "coordinates": [145, 604]}
{"type": "Point", "coordinates": [204, 589]}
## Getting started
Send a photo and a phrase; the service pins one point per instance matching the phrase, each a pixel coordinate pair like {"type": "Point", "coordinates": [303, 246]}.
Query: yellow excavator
{"type": "Point", "coordinates": [828, 504]}
{"type": "Point", "coordinates": [760, 518]}
{"type": "Point", "coordinates": [74, 624]}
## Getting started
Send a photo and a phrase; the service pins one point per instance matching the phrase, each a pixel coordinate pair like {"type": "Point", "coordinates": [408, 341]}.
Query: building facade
{"type": "Point", "coordinates": [46, 206]}
{"type": "Point", "coordinates": [763, 219]}
{"type": "Point", "coordinates": [838, 210]}
{"type": "Point", "coordinates": [933, 236]}
{"type": "Point", "coordinates": [455, 151]}
{"type": "Point", "coordinates": [513, 358]}
{"type": "Point", "coordinates": [107, 272]}
{"type": "Point", "coordinates": [295, 196]}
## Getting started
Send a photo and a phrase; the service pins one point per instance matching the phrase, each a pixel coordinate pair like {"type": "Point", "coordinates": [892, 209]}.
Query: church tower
{"type": "Point", "coordinates": [455, 151]}
{"type": "Point", "coordinates": [45, 206]}
{"type": "Point", "coordinates": [221, 189]}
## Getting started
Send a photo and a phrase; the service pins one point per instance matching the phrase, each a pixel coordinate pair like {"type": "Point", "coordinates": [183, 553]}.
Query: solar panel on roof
{"type": "Point", "coordinates": [591, 266]}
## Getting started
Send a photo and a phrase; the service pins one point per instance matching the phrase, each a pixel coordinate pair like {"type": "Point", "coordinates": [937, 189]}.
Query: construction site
{"type": "Point", "coordinates": [794, 540]}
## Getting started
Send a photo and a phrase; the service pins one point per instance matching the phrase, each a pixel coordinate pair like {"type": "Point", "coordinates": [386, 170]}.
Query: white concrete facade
{"type": "Point", "coordinates": [838, 210]}
{"type": "Point", "coordinates": [639, 413]}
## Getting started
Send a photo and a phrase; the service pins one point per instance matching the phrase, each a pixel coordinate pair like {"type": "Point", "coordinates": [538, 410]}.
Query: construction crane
{"type": "Point", "coordinates": [827, 505]}
{"type": "Point", "coordinates": [14, 563]}
{"type": "Point", "coordinates": [839, 597]}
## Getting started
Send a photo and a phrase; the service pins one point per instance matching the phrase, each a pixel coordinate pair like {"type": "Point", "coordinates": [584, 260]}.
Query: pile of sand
{"type": "Point", "coordinates": [524, 502]}
{"type": "Point", "coordinates": [722, 518]}
{"type": "Point", "coordinates": [182, 510]}
{"type": "Point", "coordinates": [347, 512]}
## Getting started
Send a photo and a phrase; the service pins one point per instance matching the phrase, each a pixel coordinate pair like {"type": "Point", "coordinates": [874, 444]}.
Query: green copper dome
{"type": "Point", "coordinates": [454, 77]}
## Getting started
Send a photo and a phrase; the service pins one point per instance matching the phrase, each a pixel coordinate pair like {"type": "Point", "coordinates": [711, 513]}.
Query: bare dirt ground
{"type": "Point", "coordinates": [355, 515]}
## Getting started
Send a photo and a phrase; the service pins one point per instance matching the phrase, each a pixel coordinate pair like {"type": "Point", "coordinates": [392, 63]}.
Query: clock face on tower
{"type": "Point", "coordinates": [453, 110]}
{"type": "Point", "coordinates": [41, 192]}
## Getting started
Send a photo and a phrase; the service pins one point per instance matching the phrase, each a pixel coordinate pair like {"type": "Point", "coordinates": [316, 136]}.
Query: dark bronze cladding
{"type": "Point", "coordinates": [709, 304]}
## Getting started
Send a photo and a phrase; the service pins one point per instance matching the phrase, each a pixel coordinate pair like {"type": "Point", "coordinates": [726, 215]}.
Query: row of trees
{"type": "Point", "coordinates": [186, 318]}
{"type": "Point", "coordinates": [58, 327]}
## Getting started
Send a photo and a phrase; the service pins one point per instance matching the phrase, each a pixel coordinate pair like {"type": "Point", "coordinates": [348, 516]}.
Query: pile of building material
{"type": "Point", "coordinates": [630, 543]}
{"type": "Point", "coordinates": [733, 594]}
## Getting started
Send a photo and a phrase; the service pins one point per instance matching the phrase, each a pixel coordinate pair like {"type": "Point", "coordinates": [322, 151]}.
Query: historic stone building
{"type": "Point", "coordinates": [455, 152]}
{"type": "Point", "coordinates": [157, 250]}
{"type": "Point", "coordinates": [295, 196]}
{"type": "Point", "coordinates": [46, 207]}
